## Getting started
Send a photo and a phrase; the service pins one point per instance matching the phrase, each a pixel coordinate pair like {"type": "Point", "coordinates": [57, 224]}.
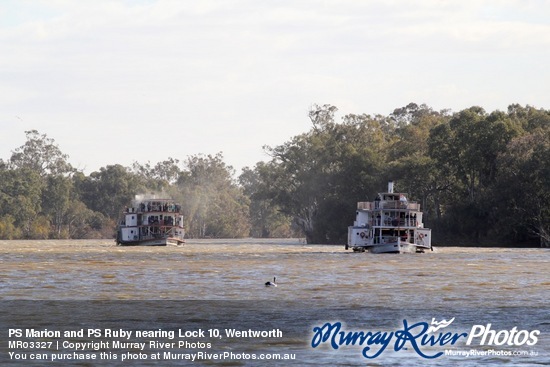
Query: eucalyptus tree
{"type": "Point", "coordinates": [529, 118]}
{"type": "Point", "coordinates": [298, 175]}
{"type": "Point", "coordinates": [522, 198]}
{"type": "Point", "coordinates": [40, 154]}
{"type": "Point", "coordinates": [56, 200]}
{"type": "Point", "coordinates": [213, 204]}
{"type": "Point", "coordinates": [8, 229]}
{"type": "Point", "coordinates": [317, 177]}
{"type": "Point", "coordinates": [158, 177]}
{"type": "Point", "coordinates": [454, 147]}
{"type": "Point", "coordinates": [410, 164]}
{"type": "Point", "coordinates": [266, 217]}
{"type": "Point", "coordinates": [465, 150]}
{"type": "Point", "coordinates": [109, 190]}
{"type": "Point", "coordinates": [82, 222]}
{"type": "Point", "coordinates": [47, 175]}
{"type": "Point", "coordinates": [20, 200]}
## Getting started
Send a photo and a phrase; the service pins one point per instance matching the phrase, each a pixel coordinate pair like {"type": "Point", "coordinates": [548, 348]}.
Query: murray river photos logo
{"type": "Point", "coordinates": [418, 337]}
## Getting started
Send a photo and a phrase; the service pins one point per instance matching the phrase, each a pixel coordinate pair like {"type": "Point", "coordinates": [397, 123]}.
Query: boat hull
{"type": "Point", "coordinates": [394, 248]}
{"type": "Point", "coordinates": [153, 242]}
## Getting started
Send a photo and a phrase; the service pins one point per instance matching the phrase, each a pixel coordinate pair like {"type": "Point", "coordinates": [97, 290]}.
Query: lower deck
{"type": "Point", "coordinates": [150, 235]}
{"type": "Point", "coordinates": [389, 239]}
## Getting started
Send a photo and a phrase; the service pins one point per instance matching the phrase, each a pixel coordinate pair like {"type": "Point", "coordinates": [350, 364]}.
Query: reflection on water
{"type": "Point", "coordinates": [484, 284]}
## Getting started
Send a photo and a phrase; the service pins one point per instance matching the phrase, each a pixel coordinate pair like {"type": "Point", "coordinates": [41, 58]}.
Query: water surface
{"type": "Point", "coordinates": [316, 284]}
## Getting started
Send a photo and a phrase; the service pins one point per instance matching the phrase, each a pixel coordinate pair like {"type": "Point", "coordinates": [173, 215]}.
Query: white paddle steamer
{"type": "Point", "coordinates": [389, 224]}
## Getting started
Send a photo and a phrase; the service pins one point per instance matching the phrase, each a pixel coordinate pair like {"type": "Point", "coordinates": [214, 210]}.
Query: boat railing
{"type": "Point", "coordinates": [411, 205]}
{"type": "Point", "coordinates": [144, 207]}
{"type": "Point", "coordinates": [395, 222]}
{"type": "Point", "coordinates": [372, 205]}
{"type": "Point", "coordinates": [365, 205]}
{"type": "Point", "coordinates": [159, 231]}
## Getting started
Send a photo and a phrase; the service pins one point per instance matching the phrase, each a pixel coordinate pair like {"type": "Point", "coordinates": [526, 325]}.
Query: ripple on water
{"type": "Point", "coordinates": [235, 268]}
{"type": "Point", "coordinates": [362, 289]}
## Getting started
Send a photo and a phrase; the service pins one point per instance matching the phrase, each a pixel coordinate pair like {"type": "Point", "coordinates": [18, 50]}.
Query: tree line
{"type": "Point", "coordinates": [481, 179]}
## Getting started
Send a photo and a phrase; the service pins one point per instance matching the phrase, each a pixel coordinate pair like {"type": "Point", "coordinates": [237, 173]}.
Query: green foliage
{"type": "Point", "coordinates": [318, 176]}
{"type": "Point", "coordinates": [40, 228]}
{"type": "Point", "coordinates": [40, 154]}
{"type": "Point", "coordinates": [109, 190]}
{"type": "Point", "coordinates": [20, 194]}
{"type": "Point", "coordinates": [159, 177]}
{"type": "Point", "coordinates": [481, 178]}
{"type": "Point", "coordinates": [266, 217]}
{"type": "Point", "coordinates": [38, 193]}
{"type": "Point", "coordinates": [56, 200]}
{"type": "Point", "coordinates": [523, 182]}
{"type": "Point", "coordinates": [462, 168]}
{"type": "Point", "coordinates": [214, 206]}
{"type": "Point", "coordinates": [8, 230]}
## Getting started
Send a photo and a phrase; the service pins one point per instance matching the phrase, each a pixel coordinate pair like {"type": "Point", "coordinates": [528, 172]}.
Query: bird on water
{"type": "Point", "coordinates": [271, 284]}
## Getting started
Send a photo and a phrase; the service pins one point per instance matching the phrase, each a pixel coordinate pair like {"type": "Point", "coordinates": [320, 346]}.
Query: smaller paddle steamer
{"type": "Point", "coordinates": [151, 222]}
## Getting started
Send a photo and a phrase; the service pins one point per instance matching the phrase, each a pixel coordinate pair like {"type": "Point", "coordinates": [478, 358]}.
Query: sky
{"type": "Point", "coordinates": [117, 82]}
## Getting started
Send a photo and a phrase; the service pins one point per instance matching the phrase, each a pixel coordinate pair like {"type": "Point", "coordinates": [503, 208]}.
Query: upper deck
{"type": "Point", "coordinates": [154, 205]}
{"type": "Point", "coordinates": [379, 205]}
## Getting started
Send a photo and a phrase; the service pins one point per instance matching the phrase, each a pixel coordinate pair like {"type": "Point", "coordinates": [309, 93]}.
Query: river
{"type": "Point", "coordinates": [218, 285]}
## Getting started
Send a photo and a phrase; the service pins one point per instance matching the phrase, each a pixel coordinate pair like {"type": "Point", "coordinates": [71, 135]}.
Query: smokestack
{"type": "Point", "coordinates": [390, 187]}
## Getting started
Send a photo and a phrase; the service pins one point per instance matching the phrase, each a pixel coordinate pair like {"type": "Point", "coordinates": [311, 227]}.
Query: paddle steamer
{"type": "Point", "coordinates": [151, 222]}
{"type": "Point", "coordinates": [389, 224]}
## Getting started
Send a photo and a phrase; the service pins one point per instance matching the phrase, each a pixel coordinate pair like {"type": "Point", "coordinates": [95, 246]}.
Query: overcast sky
{"type": "Point", "coordinates": [123, 81]}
